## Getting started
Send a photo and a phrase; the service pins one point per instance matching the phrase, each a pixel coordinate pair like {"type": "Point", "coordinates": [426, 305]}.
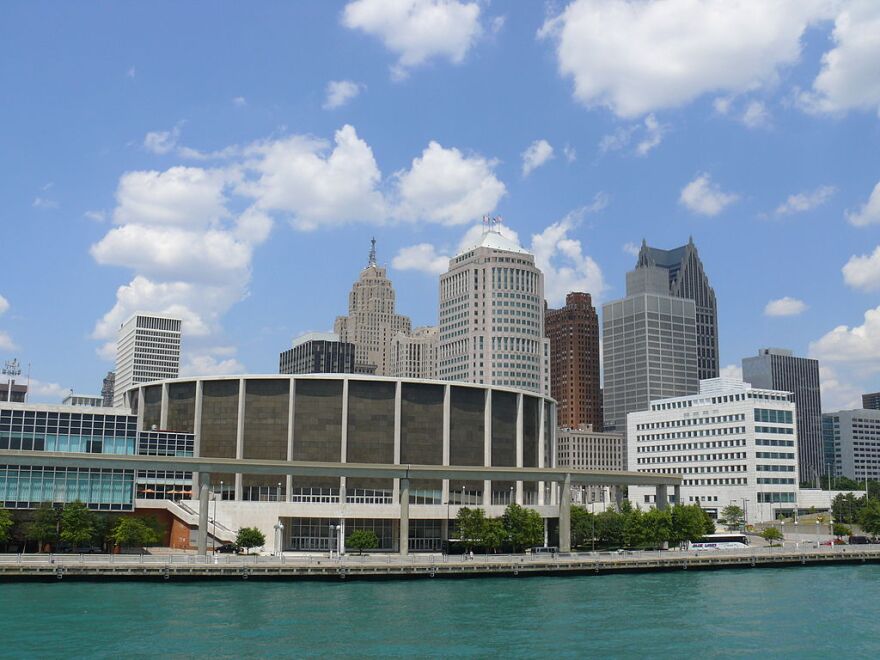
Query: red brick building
{"type": "Point", "coordinates": [574, 362]}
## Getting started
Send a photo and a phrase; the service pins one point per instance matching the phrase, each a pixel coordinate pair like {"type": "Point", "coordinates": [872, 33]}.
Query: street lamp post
{"type": "Point", "coordinates": [214, 535]}
{"type": "Point", "coordinates": [278, 499]}
{"type": "Point", "coordinates": [511, 494]}
{"type": "Point", "coordinates": [817, 533]}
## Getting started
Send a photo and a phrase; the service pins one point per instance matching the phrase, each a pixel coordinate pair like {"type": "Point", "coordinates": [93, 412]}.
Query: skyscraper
{"type": "Point", "coordinates": [107, 388]}
{"type": "Point", "coordinates": [147, 348]}
{"type": "Point", "coordinates": [649, 344]}
{"type": "Point", "coordinates": [779, 369]}
{"type": "Point", "coordinates": [573, 332]}
{"type": "Point", "coordinates": [415, 355]}
{"type": "Point", "coordinates": [371, 322]}
{"type": "Point", "coordinates": [871, 401]}
{"type": "Point", "coordinates": [687, 279]}
{"type": "Point", "coordinates": [317, 353]}
{"type": "Point", "coordinates": [492, 316]}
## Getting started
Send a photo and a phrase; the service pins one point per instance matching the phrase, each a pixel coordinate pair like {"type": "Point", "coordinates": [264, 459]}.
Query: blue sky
{"type": "Point", "coordinates": [230, 162]}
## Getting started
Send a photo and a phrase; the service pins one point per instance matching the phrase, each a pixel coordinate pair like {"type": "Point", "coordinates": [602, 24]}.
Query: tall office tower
{"type": "Point", "coordinates": [107, 388]}
{"type": "Point", "coordinates": [854, 439]}
{"type": "Point", "coordinates": [492, 316]}
{"type": "Point", "coordinates": [317, 353]}
{"type": "Point", "coordinates": [687, 279]}
{"type": "Point", "coordinates": [649, 346]}
{"type": "Point", "coordinates": [778, 369]}
{"type": "Point", "coordinates": [371, 320]}
{"type": "Point", "coordinates": [415, 355]}
{"type": "Point", "coordinates": [147, 349]}
{"type": "Point", "coordinates": [573, 332]}
{"type": "Point", "coordinates": [871, 401]}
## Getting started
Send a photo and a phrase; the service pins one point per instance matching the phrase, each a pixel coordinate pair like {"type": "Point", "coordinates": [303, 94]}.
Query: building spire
{"type": "Point", "coordinates": [372, 261]}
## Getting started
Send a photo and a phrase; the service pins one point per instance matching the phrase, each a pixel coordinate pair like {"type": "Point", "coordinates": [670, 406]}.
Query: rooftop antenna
{"type": "Point", "coordinates": [11, 369]}
{"type": "Point", "coordinates": [372, 261]}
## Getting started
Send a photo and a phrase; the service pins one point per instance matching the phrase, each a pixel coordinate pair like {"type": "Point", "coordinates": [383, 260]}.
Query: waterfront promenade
{"type": "Point", "coordinates": [310, 567]}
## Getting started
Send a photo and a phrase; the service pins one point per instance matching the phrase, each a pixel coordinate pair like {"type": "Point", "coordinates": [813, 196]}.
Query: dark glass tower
{"type": "Point", "coordinates": [687, 279]}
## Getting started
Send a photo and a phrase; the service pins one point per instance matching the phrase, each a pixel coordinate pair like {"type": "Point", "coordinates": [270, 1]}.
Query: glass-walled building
{"type": "Point", "coordinates": [71, 429]}
{"type": "Point", "coordinates": [349, 418]}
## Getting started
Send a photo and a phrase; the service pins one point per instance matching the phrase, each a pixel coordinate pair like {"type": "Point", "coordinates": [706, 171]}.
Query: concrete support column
{"type": "Point", "coordinates": [290, 417]}
{"type": "Point", "coordinates": [197, 431]}
{"type": "Point", "coordinates": [662, 498]}
{"type": "Point", "coordinates": [518, 494]}
{"type": "Point", "coordinates": [398, 398]}
{"type": "Point", "coordinates": [676, 492]}
{"type": "Point", "coordinates": [202, 535]}
{"type": "Point", "coordinates": [541, 441]}
{"type": "Point", "coordinates": [344, 440]}
{"type": "Point", "coordinates": [239, 438]}
{"type": "Point", "coordinates": [404, 517]}
{"type": "Point", "coordinates": [163, 410]}
{"type": "Point", "coordinates": [565, 515]}
{"type": "Point", "coordinates": [487, 445]}
{"type": "Point", "coordinates": [447, 413]}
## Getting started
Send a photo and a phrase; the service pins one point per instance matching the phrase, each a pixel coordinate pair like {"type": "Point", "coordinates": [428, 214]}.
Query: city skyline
{"type": "Point", "coordinates": [772, 172]}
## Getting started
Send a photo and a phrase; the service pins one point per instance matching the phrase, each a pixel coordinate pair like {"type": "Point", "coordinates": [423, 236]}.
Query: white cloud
{"type": "Point", "coordinates": [298, 177]}
{"type": "Point", "coordinates": [722, 104]}
{"type": "Point", "coordinates": [731, 371]}
{"type": "Point", "coordinates": [131, 72]}
{"type": "Point", "coordinates": [857, 344]}
{"type": "Point", "coordinates": [417, 30]}
{"type": "Point", "coordinates": [631, 248]}
{"type": "Point", "coordinates": [756, 115]}
{"type": "Point", "coordinates": [569, 153]}
{"type": "Point", "coordinates": [6, 343]}
{"type": "Point", "coordinates": [422, 257]}
{"type": "Point", "coordinates": [447, 187]}
{"type": "Point", "coordinates": [704, 197]}
{"type": "Point", "coordinates": [44, 203]}
{"type": "Point", "coordinates": [473, 235]}
{"type": "Point", "coordinates": [863, 272]}
{"type": "Point", "coordinates": [869, 214]}
{"type": "Point", "coordinates": [806, 201]}
{"type": "Point", "coordinates": [340, 92]}
{"type": "Point", "coordinates": [850, 75]}
{"type": "Point", "coordinates": [46, 392]}
{"type": "Point", "coordinates": [209, 365]}
{"type": "Point", "coordinates": [162, 142]}
{"type": "Point", "coordinates": [239, 101]}
{"type": "Point", "coordinates": [565, 266]}
{"type": "Point", "coordinates": [97, 216]}
{"type": "Point", "coordinates": [639, 57]}
{"type": "Point", "coordinates": [786, 306]}
{"type": "Point", "coordinates": [182, 196]}
{"type": "Point", "coordinates": [837, 394]}
{"type": "Point", "coordinates": [538, 153]}
{"type": "Point", "coordinates": [654, 132]}
{"type": "Point", "coordinates": [4, 305]}
{"type": "Point", "coordinates": [649, 134]}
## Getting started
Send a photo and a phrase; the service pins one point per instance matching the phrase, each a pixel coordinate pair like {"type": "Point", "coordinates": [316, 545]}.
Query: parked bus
{"type": "Point", "coordinates": [721, 542]}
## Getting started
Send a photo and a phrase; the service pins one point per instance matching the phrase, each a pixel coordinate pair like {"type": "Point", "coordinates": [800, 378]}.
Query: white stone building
{"type": "Point", "coordinates": [732, 443]}
{"type": "Point", "coordinates": [372, 321]}
{"type": "Point", "coordinates": [585, 449]}
{"type": "Point", "coordinates": [414, 355]}
{"type": "Point", "coordinates": [147, 349]}
{"type": "Point", "coordinates": [492, 317]}
{"type": "Point", "coordinates": [852, 440]}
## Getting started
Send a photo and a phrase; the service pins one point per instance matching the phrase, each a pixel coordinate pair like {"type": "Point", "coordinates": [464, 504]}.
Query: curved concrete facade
{"type": "Point", "coordinates": [348, 418]}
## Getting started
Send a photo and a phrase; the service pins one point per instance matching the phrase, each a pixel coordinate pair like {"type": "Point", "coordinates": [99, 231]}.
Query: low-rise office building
{"type": "Point", "coordinates": [585, 449]}
{"type": "Point", "coordinates": [318, 353]}
{"type": "Point", "coordinates": [87, 400]}
{"type": "Point", "coordinates": [732, 443]}
{"type": "Point", "coordinates": [852, 441]}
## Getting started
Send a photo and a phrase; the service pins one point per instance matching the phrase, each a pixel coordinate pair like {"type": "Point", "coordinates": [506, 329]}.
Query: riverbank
{"type": "Point", "coordinates": [20, 568]}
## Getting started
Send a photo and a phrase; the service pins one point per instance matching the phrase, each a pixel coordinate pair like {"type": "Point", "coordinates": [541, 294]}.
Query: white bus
{"type": "Point", "coordinates": [720, 542]}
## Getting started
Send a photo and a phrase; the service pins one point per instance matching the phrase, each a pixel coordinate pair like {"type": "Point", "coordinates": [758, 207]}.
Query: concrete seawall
{"type": "Point", "coordinates": [23, 568]}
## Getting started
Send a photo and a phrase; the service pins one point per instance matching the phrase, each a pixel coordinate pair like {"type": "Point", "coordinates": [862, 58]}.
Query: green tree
{"type": "Point", "coordinates": [846, 507]}
{"type": "Point", "coordinates": [609, 528]}
{"type": "Point", "coordinates": [44, 526]}
{"type": "Point", "coordinates": [583, 524]}
{"type": "Point", "coordinates": [6, 523]}
{"type": "Point", "coordinates": [77, 524]}
{"type": "Point", "coordinates": [657, 527]}
{"type": "Point", "coordinates": [869, 518]}
{"type": "Point", "coordinates": [732, 515]}
{"type": "Point", "coordinates": [133, 532]}
{"type": "Point", "coordinates": [494, 534]}
{"type": "Point", "coordinates": [250, 537]}
{"type": "Point", "coordinates": [634, 528]}
{"type": "Point", "coordinates": [362, 539]}
{"type": "Point", "coordinates": [525, 527]}
{"type": "Point", "coordinates": [690, 523]}
{"type": "Point", "coordinates": [771, 534]}
{"type": "Point", "coordinates": [471, 527]}
{"type": "Point", "coordinates": [842, 530]}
